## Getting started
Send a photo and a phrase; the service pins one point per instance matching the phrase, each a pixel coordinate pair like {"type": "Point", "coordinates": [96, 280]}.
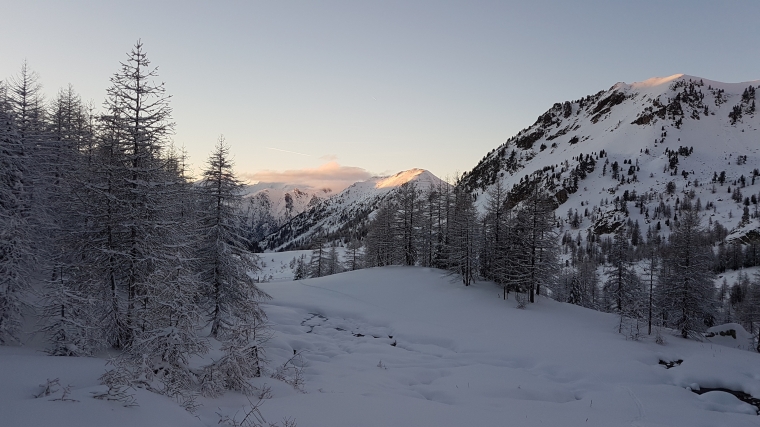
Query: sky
{"type": "Point", "coordinates": [335, 90]}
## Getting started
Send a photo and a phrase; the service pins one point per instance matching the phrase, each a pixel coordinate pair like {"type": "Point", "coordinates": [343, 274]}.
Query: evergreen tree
{"type": "Point", "coordinates": [381, 241]}
{"type": "Point", "coordinates": [651, 267]}
{"type": "Point", "coordinates": [354, 256]}
{"type": "Point", "coordinates": [539, 241]}
{"type": "Point", "coordinates": [463, 237]}
{"type": "Point", "coordinates": [623, 286]}
{"type": "Point", "coordinates": [332, 264]}
{"type": "Point", "coordinates": [429, 230]}
{"type": "Point", "coordinates": [15, 238]}
{"type": "Point", "coordinates": [408, 221]}
{"type": "Point", "coordinates": [318, 262]}
{"type": "Point", "coordinates": [687, 283]}
{"type": "Point", "coordinates": [223, 258]}
{"type": "Point", "coordinates": [493, 244]}
{"type": "Point", "coordinates": [68, 309]}
{"type": "Point", "coordinates": [300, 269]}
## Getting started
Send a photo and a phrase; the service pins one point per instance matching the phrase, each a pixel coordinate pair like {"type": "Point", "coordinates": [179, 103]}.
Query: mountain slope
{"type": "Point", "coordinates": [632, 140]}
{"type": "Point", "coordinates": [269, 205]}
{"type": "Point", "coordinates": [336, 216]}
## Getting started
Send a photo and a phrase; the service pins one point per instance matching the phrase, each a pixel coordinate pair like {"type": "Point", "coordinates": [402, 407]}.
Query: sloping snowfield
{"type": "Point", "coordinates": [402, 346]}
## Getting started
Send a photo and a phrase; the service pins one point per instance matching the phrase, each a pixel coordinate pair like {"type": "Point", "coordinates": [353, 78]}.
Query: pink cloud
{"type": "Point", "coordinates": [329, 175]}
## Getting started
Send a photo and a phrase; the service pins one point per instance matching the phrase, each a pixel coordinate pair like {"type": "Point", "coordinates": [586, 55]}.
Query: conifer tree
{"type": "Point", "coordinates": [223, 258]}
{"type": "Point", "coordinates": [407, 221]}
{"type": "Point", "coordinates": [318, 261]}
{"type": "Point", "coordinates": [15, 239]}
{"type": "Point", "coordinates": [380, 242]}
{"type": "Point", "coordinates": [538, 239]}
{"type": "Point", "coordinates": [463, 237]}
{"type": "Point", "coordinates": [687, 282]}
{"type": "Point", "coordinates": [623, 286]}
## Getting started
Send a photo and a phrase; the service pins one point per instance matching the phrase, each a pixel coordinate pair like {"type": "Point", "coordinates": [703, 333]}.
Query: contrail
{"type": "Point", "coordinates": [286, 151]}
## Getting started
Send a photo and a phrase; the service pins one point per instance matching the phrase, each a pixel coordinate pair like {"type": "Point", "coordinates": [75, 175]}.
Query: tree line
{"type": "Point", "coordinates": [517, 242]}
{"type": "Point", "coordinates": [108, 241]}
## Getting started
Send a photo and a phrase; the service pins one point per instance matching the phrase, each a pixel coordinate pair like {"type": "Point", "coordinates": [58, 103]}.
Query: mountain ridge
{"type": "Point", "coordinates": [346, 213]}
{"type": "Point", "coordinates": [680, 129]}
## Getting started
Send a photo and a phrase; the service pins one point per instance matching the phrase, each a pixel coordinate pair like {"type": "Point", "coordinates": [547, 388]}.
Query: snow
{"type": "Point", "coordinates": [717, 145]}
{"type": "Point", "coordinates": [655, 81]}
{"type": "Point", "coordinates": [409, 346]}
{"type": "Point", "coordinates": [404, 177]}
{"type": "Point", "coordinates": [270, 197]}
{"type": "Point", "coordinates": [357, 201]}
{"type": "Point", "coordinates": [720, 401]}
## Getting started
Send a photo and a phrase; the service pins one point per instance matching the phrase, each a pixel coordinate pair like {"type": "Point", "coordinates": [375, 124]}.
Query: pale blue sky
{"type": "Point", "coordinates": [382, 86]}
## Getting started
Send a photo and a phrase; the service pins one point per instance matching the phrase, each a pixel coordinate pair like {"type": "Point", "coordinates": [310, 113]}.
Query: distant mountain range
{"type": "Point", "coordinates": [336, 216]}
{"type": "Point", "coordinates": [644, 144]}
{"type": "Point", "coordinates": [267, 206]}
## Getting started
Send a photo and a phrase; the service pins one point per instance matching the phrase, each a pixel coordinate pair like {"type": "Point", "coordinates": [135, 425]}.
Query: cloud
{"type": "Point", "coordinates": [329, 175]}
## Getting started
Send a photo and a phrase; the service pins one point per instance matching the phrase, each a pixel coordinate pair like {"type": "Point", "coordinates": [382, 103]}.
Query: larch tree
{"type": "Point", "coordinates": [381, 240]}
{"type": "Point", "coordinates": [463, 237]}
{"type": "Point", "coordinates": [224, 260]}
{"type": "Point", "coordinates": [539, 240]}
{"type": "Point", "coordinates": [408, 221]}
{"type": "Point", "coordinates": [140, 249]}
{"type": "Point", "coordinates": [493, 247]}
{"type": "Point", "coordinates": [15, 238]}
{"type": "Point", "coordinates": [68, 309]}
{"type": "Point", "coordinates": [622, 286]}
{"type": "Point", "coordinates": [688, 281]}
{"type": "Point", "coordinates": [318, 262]}
{"type": "Point", "coordinates": [231, 296]}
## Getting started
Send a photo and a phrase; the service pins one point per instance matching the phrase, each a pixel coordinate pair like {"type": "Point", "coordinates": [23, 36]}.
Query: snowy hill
{"type": "Point", "coordinates": [269, 205]}
{"type": "Point", "coordinates": [352, 208]}
{"type": "Point", "coordinates": [630, 142]}
{"type": "Point", "coordinates": [407, 346]}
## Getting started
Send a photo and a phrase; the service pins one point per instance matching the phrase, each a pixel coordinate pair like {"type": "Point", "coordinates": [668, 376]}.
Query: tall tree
{"type": "Point", "coordinates": [539, 239]}
{"type": "Point", "coordinates": [408, 221]}
{"type": "Point", "coordinates": [622, 286]}
{"type": "Point", "coordinates": [492, 252]}
{"type": "Point", "coordinates": [224, 258]}
{"type": "Point", "coordinates": [231, 296]}
{"type": "Point", "coordinates": [381, 240]}
{"type": "Point", "coordinates": [463, 238]}
{"type": "Point", "coordinates": [688, 282]}
{"type": "Point", "coordinates": [15, 238]}
{"type": "Point", "coordinates": [140, 109]}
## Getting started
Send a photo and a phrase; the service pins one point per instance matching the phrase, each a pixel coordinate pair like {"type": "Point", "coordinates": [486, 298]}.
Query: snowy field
{"type": "Point", "coordinates": [402, 346]}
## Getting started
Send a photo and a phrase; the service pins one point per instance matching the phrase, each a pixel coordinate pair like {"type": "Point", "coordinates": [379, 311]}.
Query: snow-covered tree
{"type": "Point", "coordinates": [536, 221]}
{"type": "Point", "coordinates": [622, 287]}
{"type": "Point", "coordinates": [463, 237]}
{"type": "Point", "coordinates": [15, 234]}
{"type": "Point", "coordinates": [380, 241]}
{"type": "Point", "coordinates": [300, 268]}
{"type": "Point", "coordinates": [318, 261]}
{"type": "Point", "coordinates": [687, 281]}
{"type": "Point", "coordinates": [223, 258]}
{"type": "Point", "coordinates": [408, 221]}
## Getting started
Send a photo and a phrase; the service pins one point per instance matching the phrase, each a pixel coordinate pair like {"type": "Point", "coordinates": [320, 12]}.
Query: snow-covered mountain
{"type": "Point", "coordinates": [636, 142]}
{"type": "Point", "coordinates": [269, 205]}
{"type": "Point", "coordinates": [335, 216]}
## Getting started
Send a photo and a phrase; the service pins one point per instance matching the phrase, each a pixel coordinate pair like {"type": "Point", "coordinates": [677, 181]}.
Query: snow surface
{"type": "Point", "coordinates": [462, 356]}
